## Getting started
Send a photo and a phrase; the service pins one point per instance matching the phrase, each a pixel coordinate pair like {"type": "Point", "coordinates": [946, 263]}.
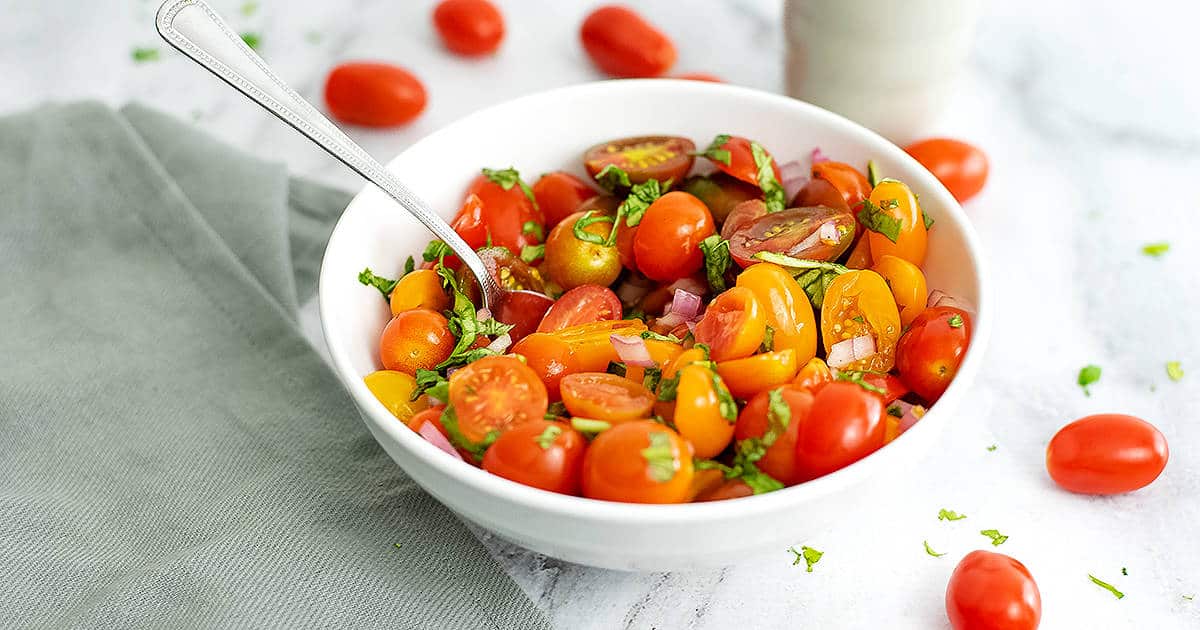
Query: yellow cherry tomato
{"type": "Point", "coordinates": [813, 375]}
{"type": "Point", "coordinates": [420, 289]}
{"type": "Point", "coordinates": [895, 200]}
{"type": "Point", "coordinates": [907, 284]}
{"type": "Point", "coordinates": [661, 352]}
{"type": "Point", "coordinates": [394, 389]}
{"type": "Point", "coordinates": [698, 411]}
{"type": "Point", "coordinates": [859, 303]}
{"type": "Point", "coordinates": [751, 375]}
{"type": "Point", "coordinates": [787, 309]}
{"type": "Point", "coordinates": [591, 343]}
{"type": "Point", "coordinates": [733, 326]}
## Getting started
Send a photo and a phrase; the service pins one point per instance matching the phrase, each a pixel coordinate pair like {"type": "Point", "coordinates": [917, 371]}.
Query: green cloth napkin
{"type": "Point", "coordinates": [173, 452]}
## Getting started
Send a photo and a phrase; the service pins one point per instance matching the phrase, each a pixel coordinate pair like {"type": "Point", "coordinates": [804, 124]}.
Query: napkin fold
{"type": "Point", "coordinates": [173, 452]}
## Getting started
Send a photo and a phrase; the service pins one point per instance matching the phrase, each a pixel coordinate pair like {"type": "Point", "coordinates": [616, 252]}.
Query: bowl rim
{"type": "Point", "coordinates": [531, 498]}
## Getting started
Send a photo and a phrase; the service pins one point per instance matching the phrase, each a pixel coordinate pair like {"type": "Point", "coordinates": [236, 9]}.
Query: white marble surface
{"type": "Point", "coordinates": [1088, 111]}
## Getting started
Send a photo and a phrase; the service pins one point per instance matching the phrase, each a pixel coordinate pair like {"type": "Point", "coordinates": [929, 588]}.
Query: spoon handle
{"type": "Point", "coordinates": [192, 27]}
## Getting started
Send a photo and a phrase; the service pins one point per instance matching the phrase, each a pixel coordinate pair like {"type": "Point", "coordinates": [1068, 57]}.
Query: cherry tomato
{"type": "Point", "coordinates": [420, 289]}
{"type": "Point", "coordinates": [581, 305]}
{"type": "Point", "coordinates": [592, 343]}
{"type": "Point", "coordinates": [510, 272]}
{"type": "Point", "coordinates": [819, 192]}
{"type": "Point", "coordinates": [721, 193]}
{"type": "Point", "coordinates": [779, 460]}
{"type": "Point", "coordinates": [469, 27]}
{"type": "Point", "coordinates": [852, 184]}
{"type": "Point", "coordinates": [539, 453]}
{"type": "Point", "coordinates": [524, 310]}
{"type": "Point", "coordinates": [729, 489]}
{"type": "Point", "coordinates": [573, 262]}
{"type": "Point", "coordinates": [907, 284]}
{"type": "Point", "coordinates": [890, 386]}
{"type": "Point", "coordinates": [844, 426]}
{"type": "Point", "coordinates": [1106, 454]}
{"type": "Point", "coordinates": [962, 168]}
{"type": "Point", "coordinates": [606, 397]}
{"type": "Point", "coordinates": [394, 390]}
{"type": "Point", "coordinates": [559, 194]}
{"type": "Point", "coordinates": [859, 303]}
{"type": "Point", "coordinates": [643, 158]}
{"type": "Point", "coordinates": [813, 375]}
{"type": "Point", "coordinates": [733, 326]}
{"type": "Point", "coordinates": [661, 352]}
{"type": "Point", "coordinates": [705, 481]}
{"type": "Point", "coordinates": [432, 415]}
{"type": "Point", "coordinates": [506, 211]}
{"type": "Point", "coordinates": [373, 94]}
{"type": "Point", "coordinates": [638, 462]}
{"type": "Point", "coordinates": [699, 76]}
{"type": "Point", "coordinates": [741, 160]}
{"type": "Point", "coordinates": [895, 200]}
{"type": "Point", "coordinates": [929, 354]}
{"type": "Point", "coordinates": [698, 411]}
{"type": "Point", "coordinates": [667, 243]}
{"type": "Point", "coordinates": [816, 233]}
{"type": "Point", "coordinates": [786, 307]}
{"type": "Point", "coordinates": [622, 44]}
{"type": "Point", "coordinates": [758, 373]}
{"type": "Point", "coordinates": [550, 358]}
{"type": "Point", "coordinates": [860, 254]}
{"type": "Point", "coordinates": [490, 396]}
{"type": "Point", "coordinates": [415, 340]}
{"type": "Point", "coordinates": [991, 591]}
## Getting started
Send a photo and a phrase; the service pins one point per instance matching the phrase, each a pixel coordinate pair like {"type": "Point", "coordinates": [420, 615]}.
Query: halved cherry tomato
{"type": "Point", "coordinates": [819, 192]}
{"type": "Point", "coordinates": [896, 201]}
{"type": "Point", "coordinates": [815, 233]}
{"type": "Point", "coordinates": [420, 289]}
{"type": "Point", "coordinates": [469, 27]}
{"type": "Point", "coordinates": [667, 243]}
{"type": "Point", "coordinates": [539, 453]}
{"type": "Point", "coordinates": [432, 415]}
{"type": "Point", "coordinates": [741, 159]}
{"type": "Point", "coordinates": [787, 309]}
{"type": "Point", "coordinates": [559, 193]}
{"type": "Point", "coordinates": [623, 44]}
{"type": "Point", "coordinates": [592, 343]}
{"type": "Point", "coordinates": [506, 209]}
{"type": "Point", "coordinates": [394, 390]}
{"type": "Point", "coordinates": [524, 310]}
{"type": "Point", "coordinates": [721, 193]}
{"type": "Point", "coordinates": [638, 462]}
{"type": "Point", "coordinates": [643, 158]}
{"type": "Point", "coordinates": [733, 326]}
{"type": "Point", "coordinates": [859, 303]}
{"type": "Point", "coordinates": [991, 591]}
{"type": "Point", "coordinates": [889, 385]}
{"type": "Point", "coordinates": [489, 397]}
{"type": "Point", "coordinates": [510, 272]}
{"type": "Point", "coordinates": [751, 375]}
{"type": "Point", "coordinates": [582, 305]}
{"type": "Point", "coordinates": [907, 284]}
{"type": "Point", "coordinates": [470, 225]}
{"type": "Point", "coordinates": [699, 76]}
{"type": "Point", "coordinates": [813, 376]}
{"type": "Point", "coordinates": [573, 262]}
{"type": "Point", "coordinates": [929, 354]}
{"type": "Point", "coordinates": [607, 397]}
{"type": "Point", "coordinates": [661, 352]}
{"type": "Point", "coordinates": [852, 184]}
{"type": "Point", "coordinates": [844, 426]}
{"type": "Point", "coordinates": [415, 340]}
{"type": "Point", "coordinates": [698, 416]}
{"type": "Point", "coordinates": [550, 357]}
{"type": "Point", "coordinates": [860, 254]}
{"type": "Point", "coordinates": [779, 459]}
{"type": "Point", "coordinates": [1106, 454]}
{"type": "Point", "coordinates": [962, 168]}
{"type": "Point", "coordinates": [373, 94]}
{"type": "Point", "coordinates": [682, 360]}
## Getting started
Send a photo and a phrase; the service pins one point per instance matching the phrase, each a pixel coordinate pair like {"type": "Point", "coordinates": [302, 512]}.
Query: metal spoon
{"type": "Point", "coordinates": [192, 27]}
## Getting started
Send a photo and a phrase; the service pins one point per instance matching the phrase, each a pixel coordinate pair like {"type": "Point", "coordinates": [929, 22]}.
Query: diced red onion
{"type": "Point", "coordinates": [501, 343]}
{"type": "Point", "coordinates": [794, 175]}
{"type": "Point", "coordinates": [435, 437]}
{"type": "Point", "coordinates": [818, 156]}
{"type": "Point", "coordinates": [828, 233]}
{"type": "Point", "coordinates": [810, 241]}
{"type": "Point", "coordinates": [686, 304]}
{"type": "Point", "coordinates": [483, 315]}
{"type": "Point", "coordinates": [937, 297]}
{"type": "Point", "coordinates": [847, 351]}
{"type": "Point", "coordinates": [670, 320]}
{"type": "Point", "coordinates": [689, 284]}
{"type": "Point", "coordinates": [632, 350]}
{"type": "Point", "coordinates": [909, 414]}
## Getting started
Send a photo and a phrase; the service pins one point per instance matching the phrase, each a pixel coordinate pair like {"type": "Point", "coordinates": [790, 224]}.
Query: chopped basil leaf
{"type": "Point", "coordinates": [759, 481]}
{"type": "Point", "coordinates": [859, 378]}
{"type": "Point", "coordinates": [667, 388]}
{"type": "Point", "coordinates": [895, 412]}
{"type": "Point", "coordinates": [507, 178]}
{"type": "Point", "coordinates": [435, 251]}
{"type": "Point", "coordinates": [616, 368]}
{"type": "Point", "coordinates": [1156, 249]}
{"type": "Point", "coordinates": [460, 440]}
{"type": "Point", "coordinates": [991, 448]}
{"type": "Point", "coordinates": [703, 347]}
{"type": "Point", "coordinates": [997, 538]}
{"type": "Point", "coordinates": [773, 194]}
{"type": "Point", "coordinates": [587, 425]}
{"type": "Point", "coordinates": [725, 401]}
{"type": "Point", "coordinates": [587, 219]}
{"type": "Point", "coordinates": [1124, 571]}
{"type": "Point", "coordinates": [249, 7]}
{"type": "Point", "coordinates": [714, 151]}
{"type": "Point", "coordinates": [814, 276]}
{"type": "Point", "coordinates": [650, 334]}
{"type": "Point", "coordinates": [872, 173]}
{"type": "Point", "coordinates": [950, 515]}
{"type": "Point", "coordinates": [612, 178]}
{"type": "Point", "coordinates": [634, 207]}
{"type": "Point", "coordinates": [385, 285]}
{"type": "Point", "coordinates": [809, 555]}
{"type": "Point", "coordinates": [1106, 586]}
{"type": "Point", "coordinates": [252, 40]}
{"type": "Point", "coordinates": [530, 253]}
{"type": "Point", "coordinates": [768, 343]}
{"type": "Point", "coordinates": [556, 410]}
{"type": "Point", "coordinates": [534, 229]}
{"type": "Point", "coordinates": [929, 550]}
{"type": "Point", "coordinates": [142, 55]}
{"type": "Point", "coordinates": [464, 325]}
{"type": "Point", "coordinates": [716, 261]}
{"type": "Point", "coordinates": [875, 219]}
{"type": "Point", "coordinates": [1174, 371]}
{"type": "Point", "coordinates": [432, 383]}
{"type": "Point", "coordinates": [1087, 375]}
{"type": "Point", "coordinates": [660, 456]}
{"type": "Point", "coordinates": [955, 321]}
{"type": "Point", "coordinates": [652, 377]}
{"type": "Point", "coordinates": [409, 265]}
{"type": "Point", "coordinates": [927, 219]}
{"type": "Point", "coordinates": [549, 434]}
{"type": "Point", "coordinates": [779, 416]}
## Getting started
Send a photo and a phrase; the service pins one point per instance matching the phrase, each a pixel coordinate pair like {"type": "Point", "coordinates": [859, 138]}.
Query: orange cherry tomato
{"type": "Point", "coordinates": [622, 44]}
{"type": "Point", "coordinates": [779, 459]}
{"type": "Point", "coordinates": [907, 284]}
{"type": "Point", "coordinates": [373, 94]}
{"type": "Point", "coordinates": [814, 375]}
{"type": "Point", "coordinates": [490, 396]}
{"type": "Point", "coordinates": [582, 305]}
{"type": "Point", "coordinates": [758, 373]}
{"type": "Point", "coordinates": [505, 212]}
{"type": "Point", "coordinates": [607, 397]}
{"type": "Point", "coordinates": [733, 326]}
{"type": "Point", "coordinates": [394, 390]}
{"type": "Point", "coordinates": [550, 358]}
{"type": "Point", "coordinates": [469, 27]}
{"type": "Point", "coordinates": [852, 184]}
{"type": "Point", "coordinates": [698, 411]}
{"type": "Point", "coordinates": [930, 352]}
{"type": "Point", "coordinates": [787, 308]}
{"type": "Point", "coordinates": [559, 193]}
{"type": "Point", "coordinates": [895, 200]}
{"type": "Point", "coordinates": [415, 340]}
{"type": "Point", "coordinates": [667, 243]}
{"type": "Point", "coordinates": [420, 289]}
{"type": "Point", "coordinates": [859, 303]}
{"type": "Point", "coordinates": [844, 425]}
{"type": "Point", "coordinates": [661, 352]}
{"type": "Point", "coordinates": [962, 168]}
{"type": "Point", "coordinates": [991, 591]}
{"type": "Point", "coordinates": [638, 462]}
{"type": "Point", "coordinates": [740, 162]}
{"type": "Point", "coordinates": [860, 254]}
{"type": "Point", "coordinates": [592, 343]}
{"type": "Point", "coordinates": [699, 76]}
{"type": "Point", "coordinates": [682, 360]}
{"type": "Point", "coordinates": [432, 415]}
{"type": "Point", "coordinates": [539, 453]}
{"type": "Point", "coordinates": [1106, 454]}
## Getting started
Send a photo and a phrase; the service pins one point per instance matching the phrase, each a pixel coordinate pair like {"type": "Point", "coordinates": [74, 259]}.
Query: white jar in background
{"type": "Point", "coordinates": [891, 66]}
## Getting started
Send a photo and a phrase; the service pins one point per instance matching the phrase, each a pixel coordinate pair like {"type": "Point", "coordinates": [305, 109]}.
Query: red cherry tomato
{"type": "Point", "coordinates": [582, 305]}
{"type": "Point", "coordinates": [559, 193]}
{"type": "Point", "coordinates": [1106, 454]}
{"type": "Point", "coordinates": [638, 462]}
{"type": "Point", "coordinates": [415, 340]}
{"type": "Point", "coordinates": [667, 243]}
{"type": "Point", "coordinates": [550, 357]}
{"type": "Point", "coordinates": [505, 211]}
{"type": "Point", "coordinates": [780, 459]}
{"type": "Point", "coordinates": [794, 232]}
{"type": "Point", "coordinates": [819, 192]}
{"type": "Point", "coordinates": [844, 426]}
{"type": "Point", "coordinates": [733, 326]}
{"type": "Point", "coordinates": [489, 397]}
{"type": "Point", "coordinates": [539, 453]}
{"type": "Point", "coordinates": [961, 167]}
{"type": "Point", "coordinates": [741, 160]}
{"type": "Point", "coordinates": [852, 184]}
{"type": "Point", "coordinates": [524, 310]}
{"type": "Point", "coordinates": [623, 44]}
{"type": "Point", "coordinates": [929, 354]}
{"type": "Point", "coordinates": [607, 397]}
{"type": "Point", "coordinates": [469, 27]}
{"type": "Point", "coordinates": [373, 94]}
{"type": "Point", "coordinates": [991, 591]}
{"type": "Point", "coordinates": [643, 158]}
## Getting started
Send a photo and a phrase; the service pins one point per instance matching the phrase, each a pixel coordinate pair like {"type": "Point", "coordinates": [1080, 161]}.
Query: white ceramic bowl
{"type": "Point", "coordinates": [550, 131]}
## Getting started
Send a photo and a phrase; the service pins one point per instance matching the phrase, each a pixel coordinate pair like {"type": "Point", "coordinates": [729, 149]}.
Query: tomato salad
{"type": "Point", "coordinates": [689, 325]}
